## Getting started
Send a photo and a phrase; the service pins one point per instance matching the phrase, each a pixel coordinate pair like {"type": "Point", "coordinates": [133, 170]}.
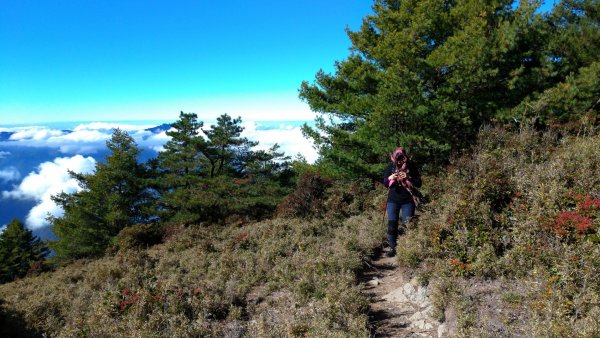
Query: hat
{"type": "Point", "coordinates": [399, 152]}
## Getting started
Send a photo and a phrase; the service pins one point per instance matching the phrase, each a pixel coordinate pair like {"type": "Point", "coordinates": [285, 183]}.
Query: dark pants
{"type": "Point", "coordinates": [393, 210]}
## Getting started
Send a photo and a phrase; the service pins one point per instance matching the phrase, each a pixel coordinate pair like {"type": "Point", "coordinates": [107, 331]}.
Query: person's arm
{"type": "Point", "coordinates": [386, 177]}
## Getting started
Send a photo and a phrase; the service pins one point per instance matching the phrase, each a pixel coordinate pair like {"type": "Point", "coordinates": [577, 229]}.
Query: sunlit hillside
{"type": "Point", "coordinates": [280, 277]}
{"type": "Point", "coordinates": [508, 245]}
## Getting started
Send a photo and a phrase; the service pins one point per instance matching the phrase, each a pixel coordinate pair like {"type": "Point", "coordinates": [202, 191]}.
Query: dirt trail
{"type": "Point", "coordinates": [399, 306]}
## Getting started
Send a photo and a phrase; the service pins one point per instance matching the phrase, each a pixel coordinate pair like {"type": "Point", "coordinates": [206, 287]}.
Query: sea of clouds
{"type": "Point", "coordinates": [77, 149]}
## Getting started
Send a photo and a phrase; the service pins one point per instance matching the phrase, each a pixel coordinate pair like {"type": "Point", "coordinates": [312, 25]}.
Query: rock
{"type": "Point", "coordinates": [422, 325]}
{"type": "Point", "coordinates": [421, 295]}
{"type": "Point", "coordinates": [442, 331]}
{"type": "Point", "coordinates": [419, 324]}
{"type": "Point", "coordinates": [409, 291]}
{"type": "Point", "coordinates": [427, 310]}
{"type": "Point", "coordinates": [373, 282]}
{"type": "Point", "coordinates": [396, 296]}
{"type": "Point", "coordinates": [417, 316]}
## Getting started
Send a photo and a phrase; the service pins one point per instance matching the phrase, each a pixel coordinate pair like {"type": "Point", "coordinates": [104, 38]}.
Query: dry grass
{"type": "Point", "coordinates": [277, 278]}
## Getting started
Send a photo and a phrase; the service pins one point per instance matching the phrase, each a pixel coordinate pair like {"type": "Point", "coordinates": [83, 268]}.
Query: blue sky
{"type": "Point", "coordinates": [128, 60]}
{"type": "Point", "coordinates": [84, 60]}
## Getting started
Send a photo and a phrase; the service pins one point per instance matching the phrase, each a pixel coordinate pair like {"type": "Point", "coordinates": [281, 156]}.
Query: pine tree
{"type": "Point", "coordinates": [113, 197]}
{"type": "Point", "coordinates": [571, 94]}
{"type": "Point", "coordinates": [226, 149]}
{"type": "Point", "coordinates": [211, 179]}
{"type": "Point", "coordinates": [425, 75]}
{"type": "Point", "coordinates": [18, 250]}
{"type": "Point", "coordinates": [179, 168]}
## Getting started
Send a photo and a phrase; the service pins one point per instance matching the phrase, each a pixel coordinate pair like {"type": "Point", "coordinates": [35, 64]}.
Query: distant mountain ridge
{"type": "Point", "coordinates": [5, 135]}
{"type": "Point", "coordinates": [160, 128]}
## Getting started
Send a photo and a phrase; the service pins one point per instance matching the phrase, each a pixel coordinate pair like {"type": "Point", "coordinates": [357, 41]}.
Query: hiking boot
{"type": "Point", "coordinates": [391, 253]}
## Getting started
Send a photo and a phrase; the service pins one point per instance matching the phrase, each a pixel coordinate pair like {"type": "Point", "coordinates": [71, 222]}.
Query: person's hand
{"type": "Point", "coordinates": [392, 177]}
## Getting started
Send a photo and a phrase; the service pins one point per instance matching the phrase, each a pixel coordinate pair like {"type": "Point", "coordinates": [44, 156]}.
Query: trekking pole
{"type": "Point", "coordinates": [383, 218]}
{"type": "Point", "coordinates": [384, 212]}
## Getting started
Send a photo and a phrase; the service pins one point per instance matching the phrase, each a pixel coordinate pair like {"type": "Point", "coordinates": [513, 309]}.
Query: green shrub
{"type": "Point", "coordinates": [308, 198]}
{"type": "Point", "coordinates": [138, 236]}
{"type": "Point", "coordinates": [518, 208]}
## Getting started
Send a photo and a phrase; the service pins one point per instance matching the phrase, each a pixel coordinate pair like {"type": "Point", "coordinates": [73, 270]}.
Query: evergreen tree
{"type": "Point", "coordinates": [226, 150]}
{"type": "Point", "coordinates": [179, 168]}
{"type": "Point", "coordinates": [211, 179]}
{"type": "Point", "coordinates": [113, 197]}
{"type": "Point", "coordinates": [180, 163]}
{"type": "Point", "coordinates": [270, 164]}
{"type": "Point", "coordinates": [268, 178]}
{"type": "Point", "coordinates": [575, 36]}
{"type": "Point", "coordinates": [424, 75]}
{"type": "Point", "coordinates": [571, 94]}
{"type": "Point", "coordinates": [18, 250]}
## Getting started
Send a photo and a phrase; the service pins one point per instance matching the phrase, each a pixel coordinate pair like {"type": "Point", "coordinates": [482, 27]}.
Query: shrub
{"type": "Point", "coordinates": [272, 278]}
{"type": "Point", "coordinates": [519, 208]}
{"type": "Point", "coordinates": [308, 198]}
{"type": "Point", "coordinates": [12, 324]}
{"type": "Point", "coordinates": [138, 236]}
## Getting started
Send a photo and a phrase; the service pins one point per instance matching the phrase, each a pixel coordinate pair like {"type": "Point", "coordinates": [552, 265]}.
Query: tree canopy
{"type": "Point", "coordinates": [19, 249]}
{"type": "Point", "coordinates": [112, 198]}
{"type": "Point", "coordinates": [201, 175]}
{"type": "Point", "coordinates": [427, 74]}
{"type": "Point", "coordinates": [212, 173]}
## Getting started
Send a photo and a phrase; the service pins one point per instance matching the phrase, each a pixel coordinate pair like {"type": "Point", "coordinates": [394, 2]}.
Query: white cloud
{"type": "Point", "coordinates": [108, 127]}
{"type": "Point", "coordinates": [91, 137]}
{"type": "Point", "coordinates": [51, 178]}
{"type": "Point", "coordinates": [289, 138]}
{"type": "Point", "coordinates": [35, 133]}
{"type": "Point", "coordinates": [83, 139]}
{"type": "Point", "coordinates": [66, 142]}
{"type": "Point", "coordinates": [151, 140]}
{"type": "Point", "coordinates": [4, 154]}
{"type": "Point", "coordinates": [9, 174]}
{"type": "Point", "coordinates": [48, 180]}
{"type": "Point", "coordinates": [84, 136]}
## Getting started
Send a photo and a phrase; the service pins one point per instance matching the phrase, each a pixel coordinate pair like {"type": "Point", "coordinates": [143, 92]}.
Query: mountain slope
{"type": "Point", "coordinates": [508, 246]}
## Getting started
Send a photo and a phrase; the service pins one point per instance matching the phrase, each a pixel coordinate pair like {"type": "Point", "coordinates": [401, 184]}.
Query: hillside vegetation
{"type": "Point", "coordinates": [508, 245]}
{"type": "Point", "coordinates": [276, 278]}
{"type": "Point", "coordinates": [511, 241]}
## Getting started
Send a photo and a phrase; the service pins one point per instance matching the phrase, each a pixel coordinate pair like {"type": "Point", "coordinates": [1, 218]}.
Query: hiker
{"type": "Point", "coordinates": [402, 179]}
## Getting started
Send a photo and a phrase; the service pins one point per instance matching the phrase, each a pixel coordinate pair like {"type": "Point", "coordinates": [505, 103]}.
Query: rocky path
{"type": "Point", "coordinates": [399, 307]}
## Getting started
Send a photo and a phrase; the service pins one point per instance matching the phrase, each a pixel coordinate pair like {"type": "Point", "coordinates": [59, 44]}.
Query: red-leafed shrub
{"type": "Point", "coordinates": [569, 225]}
{"type": "Point", "coordinates": [574, 224]}
{"type": "Point", "coordinates": [589, 206]}
{"type": "Point", "coordinates": [129, 297]}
